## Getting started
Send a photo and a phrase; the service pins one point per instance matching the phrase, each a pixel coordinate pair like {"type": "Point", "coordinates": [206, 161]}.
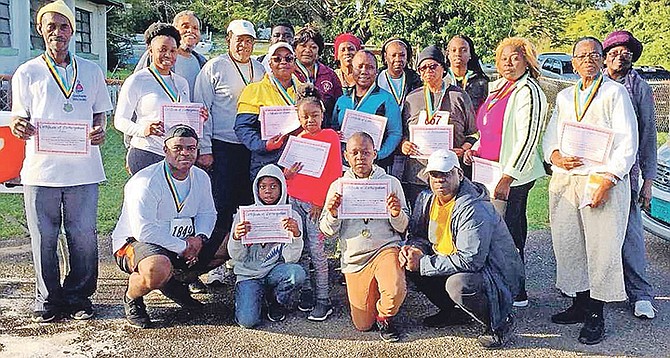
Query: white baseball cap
{"type": "Point", "coordinates": [241, 27]}
{"type": "Point", "coordinates": [277, 46]}
{"type": "Point", "coordinates": [442, 160]}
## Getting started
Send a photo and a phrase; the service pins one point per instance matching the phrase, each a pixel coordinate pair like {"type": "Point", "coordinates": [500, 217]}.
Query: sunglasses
{"type": "Point", "coordinates": [279, 59]}
{"type": "Point", "coordinates": [431, 67]}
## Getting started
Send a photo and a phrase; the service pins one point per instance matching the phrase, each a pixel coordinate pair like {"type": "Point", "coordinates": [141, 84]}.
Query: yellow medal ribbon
{"type": "Point", "coordinates": [432, 108]}
{"type": "Point", "coordinates": [305, 71]}
{"type": "Point", "coordinates": [397, 94]}
{"type": "Point", "coordinates": [65, 88]}
{"type": "Point", "coordinates": [580, 110]}
{"type": "Point", "coordinates": [178, 201]}
{"type": "Point", "coordinates": [282, 91]}
{"type": "Point", "coordinates": [171, 92]}
{"type": "Point", "coordinates": [509, 87]}
{"type": "Point", "coordinates": [239, 71]}
{"type": "Point", "coordinates": [365, 96]}
{"type": "Point", "coordinates": [463, 81]}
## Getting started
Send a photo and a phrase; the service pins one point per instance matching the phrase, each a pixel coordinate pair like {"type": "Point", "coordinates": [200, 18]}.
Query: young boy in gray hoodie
{"type": "Point", "coordinates": [266, 271]}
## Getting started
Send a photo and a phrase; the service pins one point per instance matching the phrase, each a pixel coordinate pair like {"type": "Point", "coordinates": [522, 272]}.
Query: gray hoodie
{"type": "Point", "coordinates": [256, 260]}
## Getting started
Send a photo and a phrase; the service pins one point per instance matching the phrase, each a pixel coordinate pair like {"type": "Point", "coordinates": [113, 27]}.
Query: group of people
{"type": "Point", "coordinates": [461, 244]}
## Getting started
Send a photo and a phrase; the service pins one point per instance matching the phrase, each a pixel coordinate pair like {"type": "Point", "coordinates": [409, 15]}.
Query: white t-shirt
{"type": "Point", "coordinates": [36, 95]}
{"type": "Point", "coordinates": [188, 67]}
{"type": "Point", "coordinates": [143, 95]}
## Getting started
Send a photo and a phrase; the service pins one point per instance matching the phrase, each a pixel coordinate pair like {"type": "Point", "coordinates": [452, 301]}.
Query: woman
{"type": "Point", "coordinates": [346, 46]}
{"type": "Point", "coordinates": [396, 76]}
{"type": "Point", "coordinates": [511, 122]}
{"type": "Point", "coordinates": [465, 71]}
{"type": "Point", "coordinates": [423, 107]}
{"type": "Point", "coordinates": [145, 92]}
{"type": "Point", "coordinates": [308, 47]}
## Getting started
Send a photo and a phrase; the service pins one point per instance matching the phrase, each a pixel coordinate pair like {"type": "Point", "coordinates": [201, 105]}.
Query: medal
{"type": "Point", "coordinates": [65, 87]}
{"type": "Point", "coordinates": [365, 233]}
{"type": "Point", "coordinates": [67, 107]}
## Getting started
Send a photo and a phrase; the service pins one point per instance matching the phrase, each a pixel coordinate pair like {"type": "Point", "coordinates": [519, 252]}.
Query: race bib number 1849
{"type": "Point", "coordinates": [181, 228]}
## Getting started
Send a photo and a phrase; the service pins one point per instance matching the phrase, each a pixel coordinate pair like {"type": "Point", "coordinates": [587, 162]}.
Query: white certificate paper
{"type": "Point", "coordinates": [188, 114]}
{"type": "Point", "coordinates": [277, 120]}
{"type": "Point", "coordinates": [587, 141]}
{"type": "Point", "coordinates": [355, 121]}
{"type": "Point", "coordinates": [430, 138]}
{"type": "Point", "coordinates": [364, 199]}
{"type": "Point", "coordinates": [313, 155]}
{"type": "Point", "coordinates": [486, 172]}
{"type": "Point", "coordinates": [65, 138]}
{"type": "Point", "coordinates": [265, 223]}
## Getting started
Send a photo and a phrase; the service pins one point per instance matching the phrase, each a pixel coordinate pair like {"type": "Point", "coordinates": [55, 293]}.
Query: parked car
{"type": "Point", "coordinates": [656, 219]}
{"type": "Point", "coordinates": [557, 65]}
{"type": "Point", "coordinates": [653, 73]}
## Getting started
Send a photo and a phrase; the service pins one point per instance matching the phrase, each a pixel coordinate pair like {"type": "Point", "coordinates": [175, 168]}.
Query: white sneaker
{"type": "Point", "coordinates": [644, 309]}
{"type": "Point", "coordinates": [522, 303]}
{"type": "Point", "coordinates": [216, 275]}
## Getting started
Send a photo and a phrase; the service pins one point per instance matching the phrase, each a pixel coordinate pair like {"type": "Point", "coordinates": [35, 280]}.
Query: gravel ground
{"type": "Point", "coordinates": [213, 332]}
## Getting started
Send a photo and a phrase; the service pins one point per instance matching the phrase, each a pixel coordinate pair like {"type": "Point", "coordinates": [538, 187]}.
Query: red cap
{"type": "Point", "coordinates": [347, 37]}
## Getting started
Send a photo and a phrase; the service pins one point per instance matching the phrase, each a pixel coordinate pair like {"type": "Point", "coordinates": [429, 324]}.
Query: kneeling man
{"type": "Point", "coordinates": [460, 253]}
{"type": "Point", "coordinates": [164, 230]}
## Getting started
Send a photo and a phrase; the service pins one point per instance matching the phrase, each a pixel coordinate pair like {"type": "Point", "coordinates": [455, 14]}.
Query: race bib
{"type": "Point", "coordinates": [181, 228]}
{"type": "Point", "coordinates": [440, 117]}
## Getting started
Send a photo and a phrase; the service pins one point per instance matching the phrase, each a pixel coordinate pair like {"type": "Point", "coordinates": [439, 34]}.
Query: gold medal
{"type": "Point", "coordinates": [68, 107]}
{"type": "Point", "coordinates": [365, 233]}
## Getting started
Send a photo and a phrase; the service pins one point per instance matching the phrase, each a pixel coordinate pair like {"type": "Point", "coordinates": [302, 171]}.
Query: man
{"type": "Point", "coordinates": [589, 199]}
{"type": "Point", "coordinates": [218, 87]}
{"type": "Point", "coordinates": [59, 189]}
{"type": "Point", "coordinates": [622, 49]}
{"type": "Point", "coordinates": [281, 32]}
{"type": "Point", "coordinates": [375, 281]}
{"type": "Point", "coordinates": [189, 62]}
{"type": "Point", "coordinates": [165, 225]}
{"type": "Point", "coordinates": [460, 253]}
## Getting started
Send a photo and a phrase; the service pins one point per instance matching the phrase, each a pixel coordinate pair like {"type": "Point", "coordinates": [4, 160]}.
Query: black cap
{"type": "Point", "coordinates": [431, 52]}
{"type": "Point", "coordinates": [180, 131]}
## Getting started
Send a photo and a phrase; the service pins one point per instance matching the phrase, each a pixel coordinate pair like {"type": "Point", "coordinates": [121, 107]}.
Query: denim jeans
{"type": "Point", "coordinates": [76, 207]}
{"type": "Point", "coordinates": [283, 283]}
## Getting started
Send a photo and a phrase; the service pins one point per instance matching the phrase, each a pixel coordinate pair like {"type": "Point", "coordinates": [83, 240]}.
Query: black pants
{"type": "Point", "coordinates": [465, 289]}
{"type": "Point", "coordinates": [515, 218]}
{"type": "Point", "coordinates": [138, 159]}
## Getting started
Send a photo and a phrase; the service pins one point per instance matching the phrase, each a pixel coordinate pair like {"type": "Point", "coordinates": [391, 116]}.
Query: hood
{"type": "Point", "coordinates": [470, 192]}
{"type": "Point", "coordinates": [271, 170]}
{"type": "Point", "coordinates": [377, 173]}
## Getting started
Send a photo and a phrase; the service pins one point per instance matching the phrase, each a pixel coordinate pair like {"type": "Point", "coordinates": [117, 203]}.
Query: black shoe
{"type": "Point", "coordinates": [197, 287]}
{"type": "Point", "coordinates": [593, 330]}
{"type": "Point", "coordinates": [81, 314]}
{"type": "Point", "coordinates": [306, 303]}
{"type": "Point", "coordinates": [276, 312]}
{"type": "Point", "coordinates": [444, 318]}
{"type": "Point", "coordinates": [179, 293]}
{"type": "Point", "coordinates": [574, 314]}
{"type": "Point", "coordinates": [387, 330]}
{"type": "Point", "coordinates": [521, 300]}
{"type": "Point", "coordinates": [492, 339]}
{"type": "Point", "coordinates": [45, 316]}
{"type": "Point", "coordinates": [136, 312]}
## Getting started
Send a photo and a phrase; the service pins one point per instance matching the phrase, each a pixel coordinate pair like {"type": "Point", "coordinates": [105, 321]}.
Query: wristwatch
{"type": "Point", "coordinates": [203, 237]}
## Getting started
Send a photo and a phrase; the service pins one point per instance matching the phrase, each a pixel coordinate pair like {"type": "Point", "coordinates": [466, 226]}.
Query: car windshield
{"type": "Point", "coordinates": [567, 67]}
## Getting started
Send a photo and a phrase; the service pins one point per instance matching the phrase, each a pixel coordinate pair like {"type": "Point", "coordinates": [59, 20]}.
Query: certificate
{"type": "Point", "coordinates": [486, 172]}
{"type": "Point", "coordinates": [188, 114]}
{"type": "Point", "coordinates": [266, 223]}
{"type": "Point", "coordinates": [278, 120]}
{"type": "Point", "coordinates": [364, 199]}
{"type": "Point", "coordinates": [66, 138]}
{"type": "Point", "coordinates": [586, 141]}
{"type": "Point", "coordinates": [355, 121]}
{"type": "Point", "coordinates": [313, 155]}
{"type": "Point", "coordinates": [430, 138]}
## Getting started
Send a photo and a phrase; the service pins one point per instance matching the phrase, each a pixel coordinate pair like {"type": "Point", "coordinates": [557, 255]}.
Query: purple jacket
{"type": "Point", "coordinates": [327, 84]}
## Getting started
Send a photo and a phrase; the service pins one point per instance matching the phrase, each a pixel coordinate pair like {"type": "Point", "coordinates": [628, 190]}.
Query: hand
{"type": "Point", "coordinates": [315, 213]}
{"type": "Point", "coordinates": [204, 114]}
{"type": "Point", "coordinates": [402, 255]}
{"type": "Point", "coordinates": [205, 161]}
{"type": "Point", "coordinates": [291, 225]}
{"type": "Point", "coordinates": [275, 142]}
{"type": "Point", "coordinates": [567, 163]}
{"type": "Point", "coordinates": [193, 247]}
{"type": "Point", "coordinates": [340, 134]}
{"type": "Point", "coordinates": [645, 193]}
{"type": "Point", "coordinates": [601, 195]}
{"type": "Point", "coordinates": [97, 135]}
{"type": "Point", "coordinates": [501, 192]}
{"type": "Point", "coordinates": [289, 173]}
{"type": "Point", "coordinates": [155, 128]}
{"type": "Point", "coordinates": [409, 148]}
{"type": "Point", "coordinates": [459, 151]}
{"type": "Point", "coordinates": [468, 155]}
{"type": "Point", "coordinates": [241, 229]}
{"type": "Point", "coordinates": [414, 256]}
{"type": "Point", "coordinates": [333, 204]}
{"type": "Point", "coordinates": [393, 205]}
{"type": "Point", "coordinates": [21, 128]}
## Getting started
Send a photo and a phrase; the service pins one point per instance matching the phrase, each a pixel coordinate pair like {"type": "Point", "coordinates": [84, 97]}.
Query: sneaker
{"type": "Point", "coordinates": [644, 309]}
{"type": "Point", "coordinates": [197, 287]}
{"type": "Point", "coordinates": [82, 314]}
{"type": "Point", "coordinates": [45, 316]}
{"type": "Point", "coordinates": [306, 303]}
{"type": "Point", "coordinates": [320, 312]}
{"type": "Point", "coordinates": [445, 318]}
{"type": "Point", "coordinates": [521, 300]}
{"type": "Point", "coordinates": [276, 313]}
{"type": "Point", "coordinates": [387, 330]}
{"type": "Point", "coordinates": [136, 312]}
{"type": "Point", "coordinates": [179, 293]}
{"type": "Point", "coordinates": [492, 339]}
{"type": "Point", "coordinates": [215, 277]}
{"type": "Point", "coordinates": [574, 314]}
{"type": "Point", "coordinates": [593, 330]}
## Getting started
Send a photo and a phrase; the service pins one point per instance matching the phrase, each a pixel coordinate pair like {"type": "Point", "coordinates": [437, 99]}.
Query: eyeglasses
{"type": "Point", "coordinates": [279, 59]}
{"type": "Point", "coordinates": [431, 67]}
{"type": "Point", "coordinates": [625, 54]}
{"type": "Point", "coordinates": [592, 55]}
{"type": "Point", "coordinates": [440, 175]}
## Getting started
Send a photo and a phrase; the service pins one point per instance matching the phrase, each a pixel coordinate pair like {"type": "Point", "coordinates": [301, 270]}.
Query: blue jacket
{"type": "Point", "coordinates": [381, 103]}
{"type": "Point", "coordinates": [483, 244]}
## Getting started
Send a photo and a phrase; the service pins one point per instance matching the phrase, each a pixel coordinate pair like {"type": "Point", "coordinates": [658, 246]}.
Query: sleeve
{"type": "Point", "coordinates": [469, 120]}
{"type": "Point", "coordinates": [236, 250]}
{"type": "Point", "coordinates": [102, 101]}
{"type": "Point", "coordinates": [248, 131]}
{"type": "Point", "coordinates": [335, 122]}
{"type": "Point", "coordinates": [400, 222]}
{"type": "Point", "coordinates": [329, 225]}
{"type": "Point", "coordinates": [473, 240]}
{"type": "Point", "coordinates": [291, 252]}
{"type": "Point", "coordinates": [21, 99]}
{"type": "Point", "coordinates": [127, 102]}
{"type": "Point", "coordinates": [647, 124]}
{"type": "Point", "coordinates": [205, 219]}
{"type": "Point", "coordinates": [550, 139]}
{"type": "Point", "coordinates": [479, 92]}
{"type": "Point", "coordinates": [393, 128]}
{"type": "Point", "coordinates": [624, 124]}
{"type": "Point", "coordinates": [529, 112]}
{"type": "Point", "coordinates": [417, 234]}
{"type": "Point", "coordinates": [203, 92]}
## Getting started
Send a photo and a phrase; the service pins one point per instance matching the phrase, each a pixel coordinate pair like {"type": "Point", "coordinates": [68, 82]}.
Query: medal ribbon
{"type": "Point", "coordinates": [397, 93]}
{"type": "Point", "coordinates": [239, 71]}
{"type": "Point", "coordinates": [282, 91]}
{"type": "Point", "coordinates": [174, 96]}
{"type": "Point", "coordinates": [365, 96]}
{"type": "Point", "coordinates": [463, 80]}
{"type": "Point", "coordinates": [431, 108]}
{"type": "Point", "coordinates": [305, 72]}
{"type": "Point", "coordinates": [65, 87]}
{"type": "Point", "coordinates": [178, 201]}
{"type": "Point", "coordinates": [509, 87]}
{"type": "Point", "coordinates": [580, 110]}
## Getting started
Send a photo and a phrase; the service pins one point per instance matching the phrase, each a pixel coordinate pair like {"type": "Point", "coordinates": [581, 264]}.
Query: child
{"type": "Point", "coordinates": [266, 270]}
{"type": "Point", "coordinates": [308, 194]}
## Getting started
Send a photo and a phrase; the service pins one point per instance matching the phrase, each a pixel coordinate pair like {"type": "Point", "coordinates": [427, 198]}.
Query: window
{"type": "Point", "coordinates": [83, 34]}
{"type": "Point", "coordinates": [5, 28]}
{"type": "Point", "coordinates": [36, 41]}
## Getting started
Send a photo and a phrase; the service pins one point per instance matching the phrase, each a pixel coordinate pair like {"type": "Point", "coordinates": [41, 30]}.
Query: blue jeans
{"type": "Point", "coordinates": [283, 282]}
{"type": "Point", "coordinates": [76, 207]}
{"type": "Point", "coordinates": [634, 256]}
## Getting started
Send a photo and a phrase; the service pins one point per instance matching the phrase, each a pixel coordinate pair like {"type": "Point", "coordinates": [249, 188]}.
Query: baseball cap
{"type": "Point", "coordinates": [442, 160]}
{"type": "Point", "coordinates": [242, 27]}
{"type": "Point", "coordinates": [277, 46]}
{"type": "Point", "coordinates": [180, 131]}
